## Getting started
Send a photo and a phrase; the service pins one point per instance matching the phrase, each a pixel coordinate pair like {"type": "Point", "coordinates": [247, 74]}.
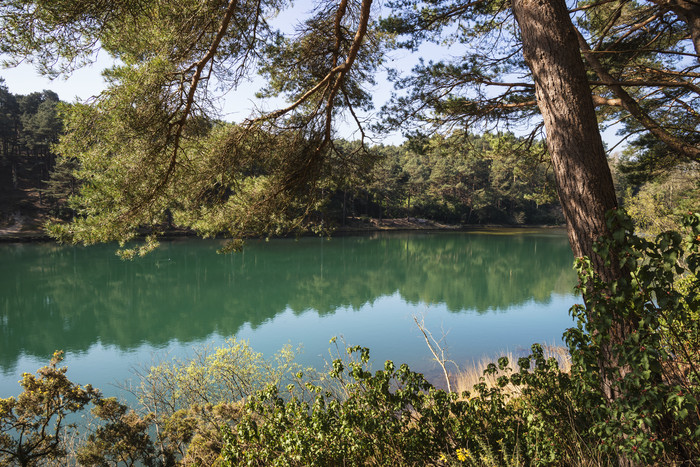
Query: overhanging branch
{"type": "Point", "coordinates": [633, 107]}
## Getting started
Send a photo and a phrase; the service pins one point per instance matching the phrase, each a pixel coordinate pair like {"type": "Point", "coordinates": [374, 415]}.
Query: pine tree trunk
{"type": "Point", "coordinates": [584, 181]}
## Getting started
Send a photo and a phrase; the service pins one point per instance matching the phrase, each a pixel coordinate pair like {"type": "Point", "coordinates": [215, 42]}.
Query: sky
{"type": "Point", "coordinates": [87, 82]}
{"type": "Point", "coordinates": [81, 85]}
{"type": "Point", "coordinates": [238, 104]}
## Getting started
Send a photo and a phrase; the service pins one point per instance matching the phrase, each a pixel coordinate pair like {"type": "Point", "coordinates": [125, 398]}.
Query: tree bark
{"type": "Point", "coordinates": [584, 182]}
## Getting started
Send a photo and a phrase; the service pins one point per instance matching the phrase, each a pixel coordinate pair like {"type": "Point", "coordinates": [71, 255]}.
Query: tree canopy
{"type": "Point", "coordinates": [152, 150]}
{"type": "Point", "coordinates": [642, 65]}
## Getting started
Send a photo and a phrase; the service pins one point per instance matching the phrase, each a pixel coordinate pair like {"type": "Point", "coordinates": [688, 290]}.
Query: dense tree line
{"type": "Point", "coordinates": [29, 127]}
{"type": "Point", "coordinates": [459, 178]}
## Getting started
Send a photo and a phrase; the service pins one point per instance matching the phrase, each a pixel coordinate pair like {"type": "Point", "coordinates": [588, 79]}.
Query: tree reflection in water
{"type": "Point", "coordinates": [61, 297]}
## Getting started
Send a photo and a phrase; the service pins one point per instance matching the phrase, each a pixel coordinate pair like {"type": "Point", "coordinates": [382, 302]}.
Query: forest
{"type": "Point", "coordinates": [29, 127]}
{"type": "Point", "coordinates": [540, 79]}
{"type": "Point", "coordinates": [460, 179]}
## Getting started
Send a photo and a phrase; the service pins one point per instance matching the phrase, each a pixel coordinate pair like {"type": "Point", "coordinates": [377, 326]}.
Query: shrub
{"type": "Point", "coordinates": [33, 426]}
{"type": "Point", "coordinates": [654, 417]}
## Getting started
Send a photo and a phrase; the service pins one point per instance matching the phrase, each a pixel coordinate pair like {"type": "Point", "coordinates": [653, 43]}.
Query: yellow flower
{"type": "Point", "coordinates": [463, 454]}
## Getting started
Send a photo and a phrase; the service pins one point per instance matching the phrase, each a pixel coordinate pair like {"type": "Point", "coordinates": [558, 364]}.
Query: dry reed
{"type": "Point", "coordinates": [464, 379]}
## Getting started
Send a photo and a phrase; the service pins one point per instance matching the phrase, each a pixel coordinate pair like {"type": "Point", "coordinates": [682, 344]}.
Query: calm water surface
{"type": "Point", "coordinates": [486, 292]}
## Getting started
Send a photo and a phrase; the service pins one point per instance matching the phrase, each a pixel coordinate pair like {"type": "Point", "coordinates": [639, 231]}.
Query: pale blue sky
{"type": "Point", "coordinates": [237, 104]}
{"type": "Point", "coordinates": [87, 82]}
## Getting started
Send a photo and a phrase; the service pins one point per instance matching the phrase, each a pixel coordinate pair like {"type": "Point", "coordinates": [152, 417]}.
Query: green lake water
{"type": "Point", "coordinates": [486, 292]}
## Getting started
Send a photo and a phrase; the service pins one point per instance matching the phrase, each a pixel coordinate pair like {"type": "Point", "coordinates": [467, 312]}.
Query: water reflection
{"type": "Point", "coordinates": [71, 298]}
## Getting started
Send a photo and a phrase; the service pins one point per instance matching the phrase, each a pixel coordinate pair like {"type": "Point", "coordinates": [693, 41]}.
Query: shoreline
{"type": "Point", "coordinates": [353, 226]}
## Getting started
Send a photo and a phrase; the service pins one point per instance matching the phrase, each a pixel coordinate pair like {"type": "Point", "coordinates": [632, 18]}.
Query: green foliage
{"type": "Point", "coordinates": [33, 426]}
{"type": "Point", "coordinates": [122, 440]}
{"type": "Point", "coordinates": [60, 186]}
{"type": "Point", "coordinates": [188, 400]}
{"type": "Point", "coordinates": [460, 178]}
{"type": "Point", "coordinates": [41, 124]}
{"type": "Point", "coordinates": [646, 326]}
{"type": "Point", "coordinates": [151, 149]}
{"type": "Point", "coordinates": [227, 374]}
{"type": "Point", "coordinates": [660, 203]}
{"type": "Point", "coordinates": [393, 416]}
{"type": "Point", "coordinates": [29, 127]}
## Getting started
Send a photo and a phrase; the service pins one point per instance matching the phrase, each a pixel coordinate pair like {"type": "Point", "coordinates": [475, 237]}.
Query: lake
{"type": "Point", "coordinates": [485, 292]}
